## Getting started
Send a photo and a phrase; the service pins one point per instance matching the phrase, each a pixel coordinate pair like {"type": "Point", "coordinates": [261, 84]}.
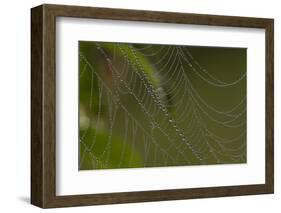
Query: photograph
{"type": "Point", "coordinates": [154, 105]}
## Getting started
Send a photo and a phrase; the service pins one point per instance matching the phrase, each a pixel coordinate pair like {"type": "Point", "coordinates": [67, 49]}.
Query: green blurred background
{"type": "Point", "coordinates": [144, 105]}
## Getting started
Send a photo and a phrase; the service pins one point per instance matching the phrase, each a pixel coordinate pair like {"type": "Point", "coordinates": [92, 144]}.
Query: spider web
{"type": "Point", "coordinates": [132, 120]}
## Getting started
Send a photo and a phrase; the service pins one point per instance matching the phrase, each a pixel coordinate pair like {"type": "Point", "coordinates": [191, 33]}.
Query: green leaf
{"type": "Point", "coordinates": [137, 60]}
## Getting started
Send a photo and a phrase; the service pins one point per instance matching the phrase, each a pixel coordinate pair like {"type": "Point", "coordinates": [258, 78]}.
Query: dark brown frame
{"type": "Point", "coordinates": [43, 106]}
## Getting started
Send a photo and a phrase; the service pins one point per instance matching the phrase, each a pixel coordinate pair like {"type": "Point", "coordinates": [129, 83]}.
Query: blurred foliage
{"type": "Point", "coordinates": [121, 154]}
{"type": "Point", "coordinates": [95, 131]}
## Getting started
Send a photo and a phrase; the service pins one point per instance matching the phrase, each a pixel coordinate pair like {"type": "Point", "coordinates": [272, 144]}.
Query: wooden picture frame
{"type": "Point", "coordinates": [43, 105]}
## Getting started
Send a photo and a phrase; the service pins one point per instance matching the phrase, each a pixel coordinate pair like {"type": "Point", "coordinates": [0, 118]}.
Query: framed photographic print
{"type": "Point", "coordinates": [135, 106]}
